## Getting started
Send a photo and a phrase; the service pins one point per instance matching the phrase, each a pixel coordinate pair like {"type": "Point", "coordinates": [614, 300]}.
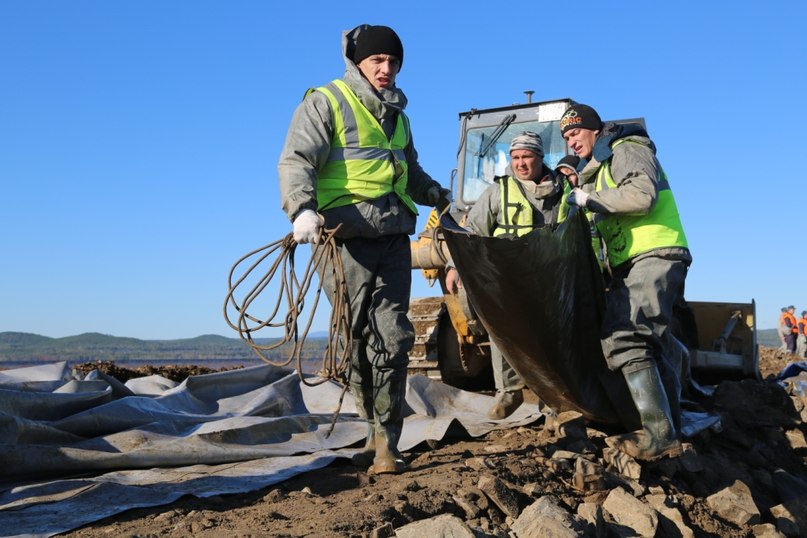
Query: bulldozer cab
{"type": "Point", "coordinates": [485, 137]}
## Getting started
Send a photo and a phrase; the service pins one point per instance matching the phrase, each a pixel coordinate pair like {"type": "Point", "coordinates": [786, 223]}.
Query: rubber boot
{"type": "Point", "coordinates": [364, 457]}
{"type": "Point", "coordinates": [387, 457]}
{"type": "Point", "coordinates": [658, 437]}
{"type": "Point", "coordinates": [507, 401]}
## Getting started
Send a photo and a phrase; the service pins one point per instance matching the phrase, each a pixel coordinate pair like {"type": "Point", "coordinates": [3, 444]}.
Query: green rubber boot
{"type": "Point", "coordinates": [387, 457]}
{"type": "Point", "coordinates": [658, 437]}
{"type": "Point", "coordinates": [364, 457]}
{"type": "Point", "coordinates": [672, 387]}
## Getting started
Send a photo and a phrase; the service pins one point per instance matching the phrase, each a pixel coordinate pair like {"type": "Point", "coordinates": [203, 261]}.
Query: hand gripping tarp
{"type": "Point", "coordinates": [541, 299]}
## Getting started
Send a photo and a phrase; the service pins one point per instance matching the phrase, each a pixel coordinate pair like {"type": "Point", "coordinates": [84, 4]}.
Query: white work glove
{"type": "Point", "coordinates": [438, 197]}
{"type": "Point", "coordinates": [307, 226]}
{"type": "Point", "coordinates": [578, 197]}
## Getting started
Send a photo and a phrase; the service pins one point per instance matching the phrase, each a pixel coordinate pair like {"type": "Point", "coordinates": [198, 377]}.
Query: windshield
{"type": "Point", "coordinates": [480, 168]}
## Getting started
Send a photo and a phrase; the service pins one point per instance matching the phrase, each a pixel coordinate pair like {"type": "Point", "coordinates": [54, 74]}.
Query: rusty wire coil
{"type": "Point", "coordinates": [240, 309]}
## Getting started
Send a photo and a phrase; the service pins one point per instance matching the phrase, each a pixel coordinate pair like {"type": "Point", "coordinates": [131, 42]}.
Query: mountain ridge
{"type": "Point", "coordinates": [93, 346]}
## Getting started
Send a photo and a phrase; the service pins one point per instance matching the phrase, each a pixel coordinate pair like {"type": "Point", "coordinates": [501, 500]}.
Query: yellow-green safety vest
{"type": "Point", "coordinates": [563, 210]}
{"type": "Point", "coordinates": [627, 236]}
{"type": "Point", "coordinates": [363, 163]}
{"type": "Point", "coordinates": [515, 213]}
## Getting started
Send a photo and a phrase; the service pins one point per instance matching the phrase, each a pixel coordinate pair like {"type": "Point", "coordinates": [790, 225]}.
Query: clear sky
{"type": "Point", "coordinates": [139, 139]}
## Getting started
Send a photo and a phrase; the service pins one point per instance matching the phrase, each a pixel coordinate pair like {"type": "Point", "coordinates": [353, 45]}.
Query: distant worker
{"type": "Point", "coordinates": [791, 325]}
{"type": "Point", "coordinates": [349, 160]}
{"type": "Point", "coordinates": [500, 211]}
{"type": "Point", "coordinates": [801, 341]}
{"type": "Point", "coordinates": [782, 329]}
{"type": "Point", "coordinates": [628, 197]}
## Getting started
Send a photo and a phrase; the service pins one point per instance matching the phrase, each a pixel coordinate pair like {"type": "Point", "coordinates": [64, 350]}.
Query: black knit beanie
{"type": "Point", "coordinates": [377, 40]}
{"type": "Point", "coordinates": [569, 161]}
{"type": "Point", "coordinates": [580, 117]}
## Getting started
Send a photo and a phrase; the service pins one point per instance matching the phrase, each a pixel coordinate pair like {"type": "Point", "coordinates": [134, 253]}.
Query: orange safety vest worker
{"type": "Point", "coordinates": [788, 317]}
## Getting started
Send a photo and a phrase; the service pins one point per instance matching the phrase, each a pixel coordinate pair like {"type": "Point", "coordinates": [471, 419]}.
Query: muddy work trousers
{"type": "Point", "coordinates": [639, 310]}
{"type": "Point", "coordinates": [504, 376]}
{"type": "Point", "coordinates": [378, 274]}
{"type": "Point", "coordinates": [790, 343]}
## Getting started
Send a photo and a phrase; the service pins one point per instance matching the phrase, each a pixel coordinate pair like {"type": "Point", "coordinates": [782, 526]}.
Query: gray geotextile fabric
{"type": "Point", "coordinates": [152, 440]}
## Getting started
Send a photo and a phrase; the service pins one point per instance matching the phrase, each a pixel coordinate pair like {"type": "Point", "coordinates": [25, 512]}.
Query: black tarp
{"type": "Point", "coordinates": [541, 299]}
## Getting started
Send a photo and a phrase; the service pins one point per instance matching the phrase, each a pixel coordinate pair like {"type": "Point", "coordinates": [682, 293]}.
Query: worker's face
{"type": "Point", "coordinates": [581, 141]}
{"type": "Point", "coordinates": [525, 164]}
{"type": "Point", "coordinates": [570, 173]}
{"type": "Point", "coordinates": [380, 70]}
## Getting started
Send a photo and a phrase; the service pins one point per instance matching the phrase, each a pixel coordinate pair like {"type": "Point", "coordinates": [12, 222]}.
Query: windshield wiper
{"type": "Point", "coordinates": [497, 133]}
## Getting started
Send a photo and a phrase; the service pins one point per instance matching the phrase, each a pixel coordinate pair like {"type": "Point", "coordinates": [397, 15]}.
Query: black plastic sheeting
{"type": "Point", "coordinates": [541, 298]}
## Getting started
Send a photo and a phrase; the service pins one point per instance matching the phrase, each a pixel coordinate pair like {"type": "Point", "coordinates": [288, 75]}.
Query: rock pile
{"type": "Point", "coordinates": [557, 477]}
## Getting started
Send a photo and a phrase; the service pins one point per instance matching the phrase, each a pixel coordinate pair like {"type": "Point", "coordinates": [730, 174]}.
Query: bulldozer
{"type": "Point", "coordinates": [451, 343]}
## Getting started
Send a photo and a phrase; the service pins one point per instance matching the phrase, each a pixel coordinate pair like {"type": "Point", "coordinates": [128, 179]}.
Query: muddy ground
{"type": "Point", "coordinates": [762, 436]}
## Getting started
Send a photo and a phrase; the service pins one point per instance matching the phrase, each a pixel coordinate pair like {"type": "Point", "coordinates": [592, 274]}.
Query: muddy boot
{"type": "Point", "coordinates": [658, 437]}
{"type": "Point", "coordinates": [387, 458]}
{"type": "Point", "coordinates": [364, 457]}
{"type": "Point", "coordinates": [507, 401]}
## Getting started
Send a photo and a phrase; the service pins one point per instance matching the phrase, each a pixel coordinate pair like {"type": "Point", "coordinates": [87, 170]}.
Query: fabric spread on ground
{"type": "Point", "coordinates": [74, 451]}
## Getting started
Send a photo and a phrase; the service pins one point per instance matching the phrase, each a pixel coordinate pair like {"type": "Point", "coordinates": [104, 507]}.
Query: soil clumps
{"type": "Point", "coordinates": [747, 477]}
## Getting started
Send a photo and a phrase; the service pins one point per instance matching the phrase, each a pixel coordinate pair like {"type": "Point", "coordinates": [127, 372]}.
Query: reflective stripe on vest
{"type": "Point", "coordinates": [363, 163]}
{"type": "Point", "coordinates": [563, 210]}
{"type": "Point", "coordinates": [627, 236]}
{"type": "Point", "coordinates": [515, 214]}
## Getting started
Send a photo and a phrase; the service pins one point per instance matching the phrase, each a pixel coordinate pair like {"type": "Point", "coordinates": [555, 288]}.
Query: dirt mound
{"type": "Point", "coordinates": [748, 478]}
{"type": "Point", "coordinates": [169, 371]}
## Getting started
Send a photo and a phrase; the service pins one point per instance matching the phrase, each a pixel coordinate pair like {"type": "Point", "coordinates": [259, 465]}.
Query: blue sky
{"type": "Point", "coordinates": [139, 139]}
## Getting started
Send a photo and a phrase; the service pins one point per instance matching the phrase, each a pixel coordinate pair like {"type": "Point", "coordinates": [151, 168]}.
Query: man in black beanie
{"type": "Point", "coordinates": [581, 117]}
{"type": "Point", "coordinates": [349, 161]}
{"type": "Point", "coordinates": [378, 40]}
{"type": "Point", "coordinates": [378, 53]}
{"type": "Point", "coordinates": [627, 196]}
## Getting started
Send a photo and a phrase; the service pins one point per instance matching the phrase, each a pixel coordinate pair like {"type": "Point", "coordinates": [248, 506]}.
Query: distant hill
{"type": "Point", "coordinates": [25, 347]}
{"type": "Point", "coordinates": [16, 347]}
{"type": "Point", "coordinates": [768, 338]}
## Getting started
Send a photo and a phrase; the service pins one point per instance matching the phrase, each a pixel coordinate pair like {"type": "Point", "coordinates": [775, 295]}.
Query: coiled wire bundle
{"type": "Point", "coordinates": [240, 314]}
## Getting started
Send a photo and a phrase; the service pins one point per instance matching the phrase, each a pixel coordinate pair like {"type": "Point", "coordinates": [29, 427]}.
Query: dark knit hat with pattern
{"type": "Point", "coordinates": [377, 40]}
{"type": "Point", "coordinates": [580, 117]}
